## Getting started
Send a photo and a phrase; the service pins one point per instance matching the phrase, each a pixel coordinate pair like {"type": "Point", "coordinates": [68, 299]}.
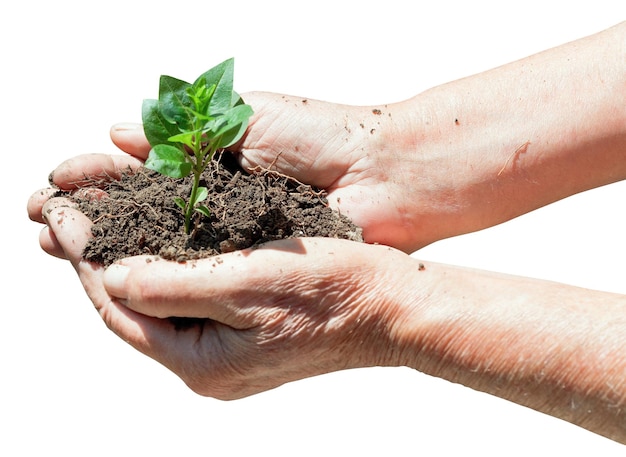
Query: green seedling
{"type": "Point", "coordinates": [188, 124]}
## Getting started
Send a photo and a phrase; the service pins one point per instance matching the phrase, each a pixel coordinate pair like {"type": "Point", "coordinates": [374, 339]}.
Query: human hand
{"type": "Point", "coordinates": [442, 163]}
{"type": "Point", "coordinates": [285, 311]}
{"type": "Point", "coordinates": [404, 182]}
{"type": "Point", "coordinates": [297, 308]}
{"type": "Point", "coordinates": [68, 177]}
{"type": "Point", "coordinates": [424, 169]}
{"type": "Point", "coordinates": [357, 154]}
{"type": "Point", "coordinates": [325, 266]}
{"type": "Point", "coordinates": [302, 307]}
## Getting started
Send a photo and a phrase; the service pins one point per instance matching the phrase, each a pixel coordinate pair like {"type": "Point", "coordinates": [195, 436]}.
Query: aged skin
{"type": "Point", "coordinates": [443, 163]}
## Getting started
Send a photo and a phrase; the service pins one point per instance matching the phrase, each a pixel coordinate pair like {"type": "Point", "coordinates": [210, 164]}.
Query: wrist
{"type": "Point", "coordinates": [437, 185]}
{"type": "Point", "coordinates": [510, 140]}
{"type": "Point", "coordinates": [540, 344]}
{"type": "Point", "coordinates": [390, 289]}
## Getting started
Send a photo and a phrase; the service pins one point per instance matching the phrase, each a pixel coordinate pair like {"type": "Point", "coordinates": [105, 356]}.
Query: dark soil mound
{"type": "Point", "coordinates": [138, 215]}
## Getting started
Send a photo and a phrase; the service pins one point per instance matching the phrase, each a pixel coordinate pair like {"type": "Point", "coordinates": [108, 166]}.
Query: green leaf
{"type": "Point", "coordinates": [168, 160]}
{"type": "Point", "coordinates": [201, 95]}
{"type": "Point", "coordinates": [186, 138]}
{"type": "Point", "coordinates": [203, 210]}
{"type": "Point", "coordinates": [201, 195]}
{"type": "Point", "coordinates": [180, 203]}
{"type": "Point", "coordinates": [231, 126]}
{"type": "Point", "coordinates": [174, 102]}
{"type": "Point", "coordinates": [222, 76]}
{"type": "Point", "coordinates": [157, 129]}
{"type": "Point", "coordinates": [188, 123]}
{"type": "Point", "coordinates": [236, 99]}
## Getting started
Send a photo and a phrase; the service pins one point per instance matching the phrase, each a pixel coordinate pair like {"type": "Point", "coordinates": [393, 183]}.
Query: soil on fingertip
{"type": "Point", "coordinates": [137, 213]}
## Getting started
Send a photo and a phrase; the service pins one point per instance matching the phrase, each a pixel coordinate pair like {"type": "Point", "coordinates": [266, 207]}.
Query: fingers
{"type": "Point", "coordinates": [87, 169]}
{"type": "Point", "coordinates": [49, 243]}
{"type": "Point", "coordinates": [73, 174]}
{"type": "Point", "coordinates": [47, 239]}
{"type": "Point", "coordinates": [218, 288]}
{"type": "Point", "coordinates": [239, 288]}
{"type": "Point", "coordinates": [81, 170]}
{"type": "Point", "coordinates": [131, 139]}
{"type": "Point", "coordinates": [36, 202]}
{"type": "Point", "coordinates": [195, 354]}
{"type": "Point", "coordinates": [128, 137]}
{"type": "Point", "coordinates": [71, 230]}
{"type": "Point", "coordinates": [303, 138]}
{"type": "Point", "coordinates": [300, 306]}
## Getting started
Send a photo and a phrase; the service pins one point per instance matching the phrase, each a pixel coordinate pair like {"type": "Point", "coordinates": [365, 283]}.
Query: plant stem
{"type": "Point", "coordinates": [197, 173]}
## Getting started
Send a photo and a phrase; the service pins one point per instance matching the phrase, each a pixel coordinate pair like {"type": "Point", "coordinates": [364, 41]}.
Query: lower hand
{"type": "Point", "coordinates": [288, 310]}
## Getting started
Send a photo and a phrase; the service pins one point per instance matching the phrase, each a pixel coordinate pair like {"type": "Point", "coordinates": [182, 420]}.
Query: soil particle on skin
{"type": "Point", "coordinates": [137, 214]}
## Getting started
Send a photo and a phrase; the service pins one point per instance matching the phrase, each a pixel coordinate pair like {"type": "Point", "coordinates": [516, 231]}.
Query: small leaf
{"type": "Point", "coordinates": [202, 194]}
{"type": "Point", "coordinates": [231, 126]}
{"type": "Point", "coordinates": [157, 129]}
{"type": "Point", "coordinates": [186, 138]}
{"type": "Point", "coordinates": [180, 203]}
{"type": "Point", "coordinates": [168, 160]}
{"type": "Point", "coordinates": [174, 102]}
{"type": "Point", "coordinates": [222, 76]}
{"type": "Point", "coordinates": [201, 94]}
{"type": "Point", "coordinates": [203, 210]}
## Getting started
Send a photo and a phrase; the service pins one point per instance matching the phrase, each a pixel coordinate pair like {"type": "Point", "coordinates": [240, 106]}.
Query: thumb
{"type": "Point", "coordinates": [131, 139]}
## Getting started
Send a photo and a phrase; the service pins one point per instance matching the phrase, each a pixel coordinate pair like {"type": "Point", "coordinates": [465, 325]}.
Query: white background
{"type": "Point", "coordinates": [71, 69]}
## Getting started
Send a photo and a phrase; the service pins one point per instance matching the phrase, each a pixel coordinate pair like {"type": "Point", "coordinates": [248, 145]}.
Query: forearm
{"type": "Point", "coordinates": [555, 348]}
{"type": "Point", "coordinates": [515, 138]}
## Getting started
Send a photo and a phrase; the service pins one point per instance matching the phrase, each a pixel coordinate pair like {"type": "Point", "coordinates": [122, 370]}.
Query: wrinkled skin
{"type": "Point", "coordinates": [463, 156]}
{"type": "Point", "coordinates": [322, 301]}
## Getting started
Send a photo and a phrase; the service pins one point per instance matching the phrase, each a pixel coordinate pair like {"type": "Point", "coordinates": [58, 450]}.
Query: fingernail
{"type": "Point", "coordinates": [114, 280]}
{"type": "Point", "coordinates": [123, 126]}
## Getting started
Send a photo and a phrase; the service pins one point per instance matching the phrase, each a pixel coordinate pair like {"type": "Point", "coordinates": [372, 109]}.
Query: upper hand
{"type": "Point", "coordinates": [357, 154]}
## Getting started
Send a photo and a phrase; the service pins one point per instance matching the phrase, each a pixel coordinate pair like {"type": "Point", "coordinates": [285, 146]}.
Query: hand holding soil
{"type": "Point", "coordinates": [460, 157]}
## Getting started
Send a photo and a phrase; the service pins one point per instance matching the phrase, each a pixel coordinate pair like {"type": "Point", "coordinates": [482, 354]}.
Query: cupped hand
{"type": "Point", "coordinates": [359, 155]}
{"type": "Point", "coordinates": [366, 157]}
{"type": "Point", "coordinates": [285, 311]}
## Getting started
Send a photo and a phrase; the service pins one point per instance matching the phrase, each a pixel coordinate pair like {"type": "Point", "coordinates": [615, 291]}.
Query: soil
{"type": "Point", "coordinates": [137, 215]}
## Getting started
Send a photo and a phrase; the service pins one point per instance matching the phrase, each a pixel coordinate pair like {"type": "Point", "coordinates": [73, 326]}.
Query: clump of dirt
{"type": "Point", "coordinates": [137, 214]}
